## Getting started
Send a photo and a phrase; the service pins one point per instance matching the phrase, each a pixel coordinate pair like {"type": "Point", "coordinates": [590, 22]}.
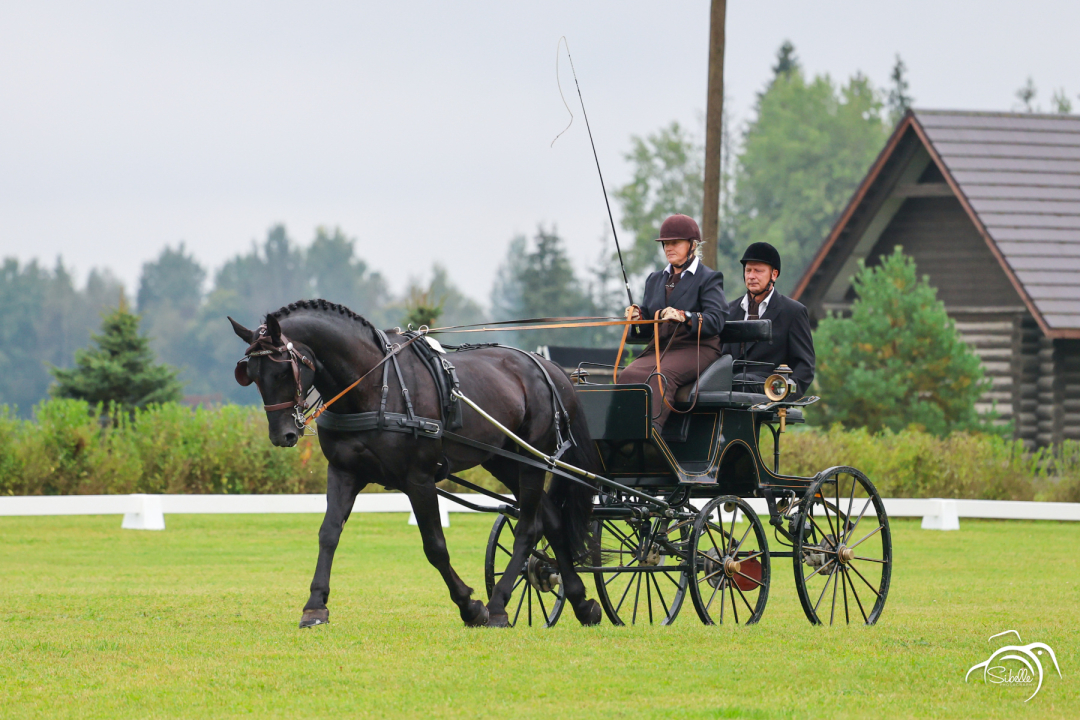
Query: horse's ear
{"type": "Point", "coordinates": [242, 332]}
{"type": "Point", "coordinates": [273, 329]}
{"type": "Point", "coordinates": [240, 372]}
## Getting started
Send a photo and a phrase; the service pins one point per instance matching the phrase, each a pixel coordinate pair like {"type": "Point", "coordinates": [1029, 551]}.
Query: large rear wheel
{"type": "Point", "coordinates": [843, 549]}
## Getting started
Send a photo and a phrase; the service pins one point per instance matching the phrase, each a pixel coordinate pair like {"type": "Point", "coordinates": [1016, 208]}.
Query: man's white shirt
{"type": "Point", "coordinates": [762, 306]}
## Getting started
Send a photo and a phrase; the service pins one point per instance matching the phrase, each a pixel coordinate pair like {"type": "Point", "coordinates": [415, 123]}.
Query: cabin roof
{"type": "Point", "coordinates": [1018, 178]}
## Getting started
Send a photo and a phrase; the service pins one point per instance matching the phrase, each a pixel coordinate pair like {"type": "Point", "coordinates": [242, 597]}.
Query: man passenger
{"type": "Point", "coordinates": [792, 343]}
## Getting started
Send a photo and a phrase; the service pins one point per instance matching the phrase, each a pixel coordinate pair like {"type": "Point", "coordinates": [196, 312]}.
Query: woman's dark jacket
{"type": "Point", "coordinates": [700, 294]}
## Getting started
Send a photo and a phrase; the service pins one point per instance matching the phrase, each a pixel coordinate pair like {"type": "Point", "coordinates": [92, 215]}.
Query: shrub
{"type": "Point", "coordinates": [911, 463]}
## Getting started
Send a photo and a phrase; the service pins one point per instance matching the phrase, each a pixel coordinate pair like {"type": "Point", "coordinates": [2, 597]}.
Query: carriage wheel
{"type": "Point", "coordinates": [643, 581]}
{"type": "Point", "coordinates": [729, 567]}
{"type": "Point", "coordinates": [843, 549]}
{"type": "Point", "coordinates": [538, 596]}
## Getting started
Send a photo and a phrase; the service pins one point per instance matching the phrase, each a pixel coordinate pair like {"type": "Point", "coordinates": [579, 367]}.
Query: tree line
{"type": "Point", "coordinates": [787, 173]}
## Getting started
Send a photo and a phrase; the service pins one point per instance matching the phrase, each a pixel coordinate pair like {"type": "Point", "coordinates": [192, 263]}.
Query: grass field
{"type": "Point", "coordinates": [200, 621]}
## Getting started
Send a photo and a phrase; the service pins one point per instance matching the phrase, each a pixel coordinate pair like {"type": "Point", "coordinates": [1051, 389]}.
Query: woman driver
{"type": "Point", "coordinates": [690, 296]}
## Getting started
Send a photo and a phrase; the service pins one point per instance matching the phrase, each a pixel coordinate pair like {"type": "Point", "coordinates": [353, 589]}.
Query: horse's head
{"type": "Point", "coordinates": [283, 370]}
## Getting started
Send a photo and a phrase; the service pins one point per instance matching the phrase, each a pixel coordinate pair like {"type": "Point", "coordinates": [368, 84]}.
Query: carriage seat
{"type": "Point", "coordinates": [715, 385]}
{"type": "Point", "coordinates": [715, 379]}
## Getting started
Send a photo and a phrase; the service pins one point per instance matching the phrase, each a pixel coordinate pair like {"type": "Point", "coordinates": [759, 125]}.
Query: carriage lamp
{"type": "Point", "coordinates": [779, 385]}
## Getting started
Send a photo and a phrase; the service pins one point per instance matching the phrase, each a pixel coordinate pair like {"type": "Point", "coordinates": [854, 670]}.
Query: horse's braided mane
{"type": "Point", "coordinates": [321, 306]}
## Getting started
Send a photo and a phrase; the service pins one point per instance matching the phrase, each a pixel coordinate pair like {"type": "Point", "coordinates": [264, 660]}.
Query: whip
{"type": "Point", "coordinates": [611, 218]}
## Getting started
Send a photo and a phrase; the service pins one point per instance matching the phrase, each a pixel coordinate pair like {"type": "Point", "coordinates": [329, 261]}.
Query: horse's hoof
{"type": "Point", "coordinates": [499, 621]}
{"type": "Point", "coordinates": [480, 615]}
{"type": "Point", "coordinates": [591, 615]}
{"type": "Point", "coordinates": [311, 618]}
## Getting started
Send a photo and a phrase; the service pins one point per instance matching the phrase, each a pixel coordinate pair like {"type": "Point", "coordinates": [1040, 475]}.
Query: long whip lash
{"type": "Point", "coordinates": [611, 218]}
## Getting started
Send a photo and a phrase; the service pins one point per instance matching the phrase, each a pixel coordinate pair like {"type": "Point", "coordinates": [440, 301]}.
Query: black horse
{"type": "Point", "coordinates": [315, 341]}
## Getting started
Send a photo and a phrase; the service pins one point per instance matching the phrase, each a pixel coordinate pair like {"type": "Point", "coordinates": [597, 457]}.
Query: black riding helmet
{"type": "Point", "coordinates": [762, 252]}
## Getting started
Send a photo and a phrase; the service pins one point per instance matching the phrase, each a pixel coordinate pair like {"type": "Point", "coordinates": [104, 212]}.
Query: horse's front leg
{"type": "Point", "coordinates": [341, 490]}
{"type": "Point", "coordinates": [528, 531]}
{"type": "Point", "coordinates": [425, 503]}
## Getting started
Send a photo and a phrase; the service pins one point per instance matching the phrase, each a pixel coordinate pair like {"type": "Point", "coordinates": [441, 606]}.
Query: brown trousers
{"type": "Point", "coordinates": [679, 366]}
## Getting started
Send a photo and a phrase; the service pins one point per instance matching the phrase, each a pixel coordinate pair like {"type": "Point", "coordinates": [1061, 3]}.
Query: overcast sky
{"type": "Point", "coordinates": [420, 128]}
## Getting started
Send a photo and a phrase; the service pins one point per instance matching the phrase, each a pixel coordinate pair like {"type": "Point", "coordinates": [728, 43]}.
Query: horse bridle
{"type": "Point", "coordinates": [264, 347]}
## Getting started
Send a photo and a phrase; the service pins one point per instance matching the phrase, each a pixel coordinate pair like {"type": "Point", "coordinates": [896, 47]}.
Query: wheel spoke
{"type": "Point", "coordinates": [739, 590]}
{"type": "Point", "coordinates": [823, 591]}
{"type": "Point", "coordinates": [847, 616]}
{"type": "Point", "coordinates": [861, 513]}
{"type": "Point", "coordinates": [851, 502]}
{"type": "Point", "coordinates": [637, 597]}
{"type": "Point", "coordinates": [757, 582]}
{"type": "Point", "coordinates": [822, 567]}
{"type": "Point", "coordinates": [872, 532]}
{"type": "Point", "coordinates": [543, 608]}
{"type": "Point", "coordinates": [832, 611]}
{"type": "Point", "coordinates": [735, 514]}
{"type": "Point", "coordinates": [873, 560]}
{"type": "Point", "coordinates": [719, 552]}
{"type": "Point", "coordinates": [824, 535]}
{"type": "Point", "coordinates": [713, 574]}
{"type": "Point", "coordinates": [856, 571]}
{"type": "Point", "coordinates": [615, 576]}
{"type": "Point", "coordinates": [625, 593]}
{"type": "Point", "coordinates": [751, 557]}
{"type": "Point", "coordinates": [521, 600]}
{"type": "Point", "coordinates": [668, 576]}
{"type": "Point", "coordinates": [828, 517]}
{"type": "Point", "coordinates": [739, 546]}
{"type": "Point", "coordinates": [648, 596]}
{"type": "Point", "coordinates": [500, 546]}
{"type": "Point", "coordinates": [857, 600]}
{"type": "Point", "coordinates": [734, 608]}
{"type": "Point", "coordinates": [660, 595]}
{"type": "Point", "coordinates": [619, 534]}
{"type": "Point", "coordinates": [719, 585]}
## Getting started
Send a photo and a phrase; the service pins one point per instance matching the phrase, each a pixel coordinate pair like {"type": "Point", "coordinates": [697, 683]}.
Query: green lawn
{"type": "Point", "coordinates": [200, 621]}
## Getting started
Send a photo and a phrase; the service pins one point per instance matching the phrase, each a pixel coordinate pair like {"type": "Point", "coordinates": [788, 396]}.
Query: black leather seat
{"type": "Point", "coordinates": [715, 386]}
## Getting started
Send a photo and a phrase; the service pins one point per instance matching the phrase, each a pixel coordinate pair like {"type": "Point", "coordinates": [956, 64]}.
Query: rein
{"type": "Point", "coordinates": [263, 347]}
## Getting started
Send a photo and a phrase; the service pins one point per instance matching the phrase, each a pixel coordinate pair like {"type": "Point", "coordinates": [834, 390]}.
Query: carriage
{"type": "Point", "coordinates": [672, 514]}
{"type": "Point", "coordinates": [677, 512]}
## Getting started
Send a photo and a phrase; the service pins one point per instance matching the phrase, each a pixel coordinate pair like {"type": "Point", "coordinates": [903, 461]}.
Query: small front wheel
{"type": "Point", "coordinates": [729, 563]}
{"type": "Point", "coordinates": [537, 595]}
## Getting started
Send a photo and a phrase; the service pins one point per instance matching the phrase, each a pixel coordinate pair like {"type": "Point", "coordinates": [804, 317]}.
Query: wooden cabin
{"type": "Point", "coordinates": [988, 205]}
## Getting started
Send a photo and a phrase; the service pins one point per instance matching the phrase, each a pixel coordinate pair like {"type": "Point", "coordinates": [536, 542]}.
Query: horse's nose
{"type": "Point", "coordinates": [290, 439]}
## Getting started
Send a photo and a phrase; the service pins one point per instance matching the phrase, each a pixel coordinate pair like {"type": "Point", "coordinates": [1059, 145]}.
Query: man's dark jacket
{"type": "Point", "coordinates": [700, 294]}
{"type": "Point", "coordinates": [792, 344]}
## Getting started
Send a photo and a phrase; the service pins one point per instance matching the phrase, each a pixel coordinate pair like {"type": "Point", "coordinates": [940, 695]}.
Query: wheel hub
{"type": "Point", "coordinates": [713, 566]}
{"type": "Point", "coordinates": [540, 574]}
{"type": "Point", "coordinates": [845, 554]}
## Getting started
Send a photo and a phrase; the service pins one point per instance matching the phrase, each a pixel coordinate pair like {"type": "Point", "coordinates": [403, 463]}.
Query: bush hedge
{"type": "Point", "coordinates": [71, 448]}
{"type": "Point", "coordinates": [911, 463]}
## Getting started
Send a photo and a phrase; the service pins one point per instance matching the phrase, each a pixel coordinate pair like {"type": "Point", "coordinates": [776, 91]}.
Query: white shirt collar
{"type": "Point", "coordinates": [691, 270]}
{"type": "Point", "coordinates": [761, 305]}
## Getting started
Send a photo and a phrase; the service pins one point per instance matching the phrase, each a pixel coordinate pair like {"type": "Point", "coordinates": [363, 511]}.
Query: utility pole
{"type": "Point", "coordinates": [714, 129]}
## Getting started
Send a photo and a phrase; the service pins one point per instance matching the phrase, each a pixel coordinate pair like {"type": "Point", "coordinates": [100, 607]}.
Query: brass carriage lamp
{"type": "Point", "coordinates": [779, 385]}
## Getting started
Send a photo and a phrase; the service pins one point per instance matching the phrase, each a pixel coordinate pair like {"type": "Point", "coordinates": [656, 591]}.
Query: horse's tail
{"type": "Point", "coordinates": [575, 499]}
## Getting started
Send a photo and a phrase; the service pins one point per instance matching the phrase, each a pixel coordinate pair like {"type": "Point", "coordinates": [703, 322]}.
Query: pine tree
{"type": "Point", "coordinates": [786, 61]}
{"type": "Point", "coordinates": [898, 361]}
{"type": "Point", "coordinates": [899, 101]}
{"type": "Point", "coordinates": [120, 369]}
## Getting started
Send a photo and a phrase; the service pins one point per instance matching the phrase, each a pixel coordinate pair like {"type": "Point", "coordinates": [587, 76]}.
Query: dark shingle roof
{"type": "Point", "coordinates": [1020, 174]}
